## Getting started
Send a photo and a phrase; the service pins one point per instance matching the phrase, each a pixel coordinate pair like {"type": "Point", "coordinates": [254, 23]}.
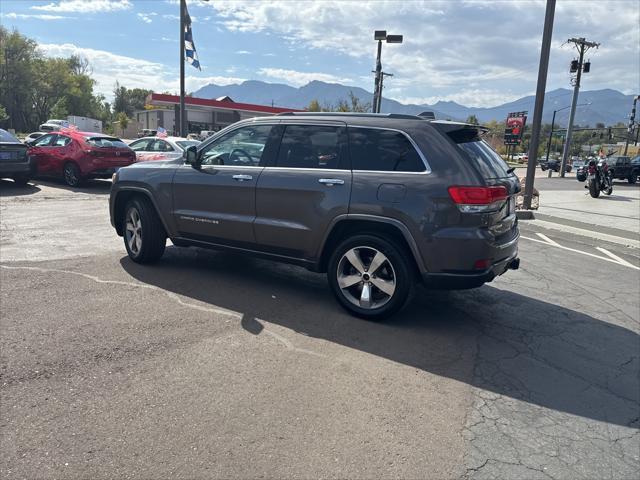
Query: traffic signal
{"type": "Point", "coordinates": [574, 66]}
{"type": "Point", "coordinates": [586, 67]}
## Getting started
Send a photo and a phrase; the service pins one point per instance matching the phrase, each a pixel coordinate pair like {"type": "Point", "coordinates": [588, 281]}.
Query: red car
{"type": "Point", "coordinates": [76, 156]}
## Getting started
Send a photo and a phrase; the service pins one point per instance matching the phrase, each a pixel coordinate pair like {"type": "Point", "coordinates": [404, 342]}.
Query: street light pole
{"type": "Point", "coordinates": [181, 121]}
{"type": "Point", "coordinates": [632, 120]}
{"type": "Point", "coordinates": [376, 87]}
{"type": "Point", "coordinates": [381, 35]}
{"type": "Point", "coordinates": [547, 32]}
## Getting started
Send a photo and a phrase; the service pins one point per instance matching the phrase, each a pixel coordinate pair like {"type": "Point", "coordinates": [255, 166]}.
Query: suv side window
{"type": "Point", "coordinates": [383, 151]}
{"type": "Point", "coordinates": [310, 146]}
{"type": "Point", "coordinates": [242, 147]}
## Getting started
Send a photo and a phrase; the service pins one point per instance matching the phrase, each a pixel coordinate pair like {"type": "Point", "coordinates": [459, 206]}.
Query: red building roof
{"type": "Point", "coordinates": [228, 105]}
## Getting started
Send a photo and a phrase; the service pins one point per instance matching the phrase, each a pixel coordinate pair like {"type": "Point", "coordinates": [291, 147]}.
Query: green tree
{"type": "Point", "coordinates": [314, 106]}
{"type": "Point", "coordinates": [60, 109]}
{"type": "Point", "coordinates": [473, 120]}
{"type": "Point", "coordinates": [353, 104]}
{"type": "Point", "coordinates": [3, 114]}
{"type": "Point", "coordinates": [123, 121]}
{"type": "Point", "coordinates": [129, 100]}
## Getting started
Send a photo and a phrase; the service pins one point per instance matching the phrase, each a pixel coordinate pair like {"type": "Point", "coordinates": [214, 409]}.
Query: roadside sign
{"type": "Point", "coordinates": [514, 130]}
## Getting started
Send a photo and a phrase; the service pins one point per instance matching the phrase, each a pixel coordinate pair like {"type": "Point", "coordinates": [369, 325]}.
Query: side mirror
{"type": "Point", "coordinates": [191, 157]}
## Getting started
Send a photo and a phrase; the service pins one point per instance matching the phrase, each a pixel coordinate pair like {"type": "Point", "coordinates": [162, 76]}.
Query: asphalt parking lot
{"type": "Point", "coordinates": [212, 365]}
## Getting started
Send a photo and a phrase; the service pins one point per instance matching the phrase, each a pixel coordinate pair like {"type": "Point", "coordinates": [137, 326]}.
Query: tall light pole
{"type": "Point", "coordinates": [577, 66]}
{"type": "Point", "coordinates": [545, 48]}
{"type": "Point", "coordinates": [381, 35]}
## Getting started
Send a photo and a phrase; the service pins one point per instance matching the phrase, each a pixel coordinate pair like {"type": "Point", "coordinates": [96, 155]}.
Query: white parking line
{"type": "Point", "coordinates": [617, 260]}
{"type": "Point", "coordinates": [621, 261]}
{"type": "Point", "coordinates": [548, 240]}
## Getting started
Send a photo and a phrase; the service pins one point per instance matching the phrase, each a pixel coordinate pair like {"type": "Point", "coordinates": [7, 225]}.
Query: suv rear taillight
{"type": "Point", "coordinates": [478, 199]}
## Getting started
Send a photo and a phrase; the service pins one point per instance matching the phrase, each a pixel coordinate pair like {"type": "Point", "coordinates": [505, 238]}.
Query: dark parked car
{"type": "Point", "coordinates": [379, 202]}
{"type": "Point", "coordinates": [623, 168]}
{"type": "Point", "coordinates": [76, 156]}
{"type": "Point", "coordinates": [554, 165]}
{"type": "Point", "coordinates": [14, 161]}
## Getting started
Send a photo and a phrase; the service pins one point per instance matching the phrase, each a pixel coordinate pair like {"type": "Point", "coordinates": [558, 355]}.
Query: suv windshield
{"type": "Point", "coordinates": [106, 142]}
{"type": "Point", "coordinates": [6, 137]}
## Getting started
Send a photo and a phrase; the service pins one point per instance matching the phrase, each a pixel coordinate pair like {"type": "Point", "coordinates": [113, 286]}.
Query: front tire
{"type": "Point", "coordinates": [594, 191]}
{"type": "Point", "coordinates": [370, 276]}
{"type": "Point", "coordinates": [633, 178]}
{"type": "Point", "coordinates": [71, 174]}
{"type": "Point", "coordinates": [144, 236]}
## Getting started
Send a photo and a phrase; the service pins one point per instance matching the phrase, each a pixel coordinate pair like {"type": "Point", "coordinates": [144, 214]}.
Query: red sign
{"type": "Point", "coordinates": [515, 128]}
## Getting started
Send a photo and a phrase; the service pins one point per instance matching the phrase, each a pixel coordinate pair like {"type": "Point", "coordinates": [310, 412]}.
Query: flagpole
{"type": "Point", "coordinates": [182, 120]}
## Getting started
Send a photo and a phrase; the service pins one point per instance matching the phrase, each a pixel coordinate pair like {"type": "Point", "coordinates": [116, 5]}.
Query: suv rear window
{"type": "Point", "coordinates": [490, 164]}
{"type": "Point", "coordinates": [383, 151]}
{"type": "Point", "coordinates": [106, 142]}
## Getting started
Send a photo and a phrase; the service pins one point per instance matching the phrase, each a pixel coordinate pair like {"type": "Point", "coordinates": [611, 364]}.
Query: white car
{"type": "Point", "coordinates": [160, 148]}
{"type": "Point", "coordinates": [32, 136]}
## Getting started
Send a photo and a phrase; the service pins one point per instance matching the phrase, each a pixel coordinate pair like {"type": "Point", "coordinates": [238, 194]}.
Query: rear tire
{"type": "Point", "coordinates": [143, 232]}
{"type": "Point", "coordinates": [21, 181]}
{"type": "Point", "coordinates": [71, 174]}
{"type": "Point", "coordinates": [379, 286]}
{"type": "Point", "coordinates": [594, 191]}
{"type": "Point", "coordinates": [633, 178]}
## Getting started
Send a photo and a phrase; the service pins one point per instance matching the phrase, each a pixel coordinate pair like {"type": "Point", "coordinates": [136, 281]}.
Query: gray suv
{"type": "Point", "coordinates": [377, 201]}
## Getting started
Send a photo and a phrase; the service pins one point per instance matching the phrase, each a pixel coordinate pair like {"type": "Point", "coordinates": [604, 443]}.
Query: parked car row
{"type": "Point", "coordinates": [76, 156]}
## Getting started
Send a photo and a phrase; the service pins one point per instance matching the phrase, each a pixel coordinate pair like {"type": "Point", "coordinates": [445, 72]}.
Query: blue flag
{"type": "Point", "coordinates": [189, 46]}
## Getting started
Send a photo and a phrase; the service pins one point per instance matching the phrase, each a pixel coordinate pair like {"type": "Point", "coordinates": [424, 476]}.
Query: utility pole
{"type": "Point", "coordinates": [582, 46]}
{"type": "Point", "coordinates": [537, 110]}
{"type": "Point", "coordinates": [181, 121]}
{"type": "Point", "coordinates": [632, 120]}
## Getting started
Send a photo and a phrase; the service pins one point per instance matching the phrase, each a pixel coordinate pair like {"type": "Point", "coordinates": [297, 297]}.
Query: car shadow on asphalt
{"type": "Point", "coordinates": [496, 340]}
{"type": "Point", "coordinates": [98, 187]}
{"type": "Point", "coordinates": [8, 188]}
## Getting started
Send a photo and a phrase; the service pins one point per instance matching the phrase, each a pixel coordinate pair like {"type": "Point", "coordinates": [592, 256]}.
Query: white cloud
{"type": "Point", "coordinates": [131, 72]}
{"type": "Point", "coordinates": [25, 16]}
{"type": "Point", "coordinates": [455, 48]}
{"type": "Point", "coordinates": [243, 52]}
{"type": "Point", "coordinates": [297, 79]}
{"type": "Point", "coordinates": [85, 6]}
{"type": "Point", "coordinates": [146, 17]}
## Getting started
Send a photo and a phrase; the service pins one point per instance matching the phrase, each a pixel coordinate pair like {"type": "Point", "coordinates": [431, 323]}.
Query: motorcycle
{"type": "Point", "coordinates": [598, 178]}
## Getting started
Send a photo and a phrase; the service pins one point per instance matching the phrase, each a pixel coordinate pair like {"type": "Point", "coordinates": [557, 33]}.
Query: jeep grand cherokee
{"type": "Point", "coordinates": [377, 201]}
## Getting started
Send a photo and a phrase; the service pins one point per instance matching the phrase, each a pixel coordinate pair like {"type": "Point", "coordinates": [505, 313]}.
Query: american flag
{"type": "Point", "coordinates": [189, 46]}
{"type": "Point", "coordinates": [161, 133]}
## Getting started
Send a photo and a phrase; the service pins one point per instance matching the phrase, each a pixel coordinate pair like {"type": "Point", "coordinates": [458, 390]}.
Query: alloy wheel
{"type": "Point", "coordinates": [133, 231]}
{"type": "Point", "coordinates": [70, 175]}
{"type": "Point", "coordinates": [366, 277]}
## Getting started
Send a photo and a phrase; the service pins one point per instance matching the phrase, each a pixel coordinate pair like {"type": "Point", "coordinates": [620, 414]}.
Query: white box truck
{"type": "Point", "coordinates": [85, 124]}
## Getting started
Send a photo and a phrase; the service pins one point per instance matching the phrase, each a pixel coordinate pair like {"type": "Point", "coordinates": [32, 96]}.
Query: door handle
{"type": "Point", "coordinates": [242, 178]}
{"type": "Point", "coordinates": [331, 181]}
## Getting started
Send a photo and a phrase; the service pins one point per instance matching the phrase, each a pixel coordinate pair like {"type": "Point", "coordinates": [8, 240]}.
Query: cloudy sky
{"type": "Point", "coordinates": [475, 52]}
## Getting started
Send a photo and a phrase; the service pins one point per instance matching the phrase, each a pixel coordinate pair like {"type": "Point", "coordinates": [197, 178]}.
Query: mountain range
{"type": "Point", "coordinates": [605, 106]}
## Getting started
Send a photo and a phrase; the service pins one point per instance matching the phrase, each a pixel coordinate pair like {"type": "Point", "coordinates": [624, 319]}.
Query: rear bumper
{"type": "Point", "coordinates": [464, 280]}
{"type": "Point", "coordinates": [97, 168]}
{"type": "Point", "coordinates": [16, 168]}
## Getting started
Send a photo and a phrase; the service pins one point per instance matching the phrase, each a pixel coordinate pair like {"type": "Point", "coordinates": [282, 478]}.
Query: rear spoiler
{"type": "Point", "coordinates": [460, 132]}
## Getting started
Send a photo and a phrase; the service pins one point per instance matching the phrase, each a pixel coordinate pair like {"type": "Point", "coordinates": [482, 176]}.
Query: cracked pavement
{"type": "Point", "coordinates": [216, 365]}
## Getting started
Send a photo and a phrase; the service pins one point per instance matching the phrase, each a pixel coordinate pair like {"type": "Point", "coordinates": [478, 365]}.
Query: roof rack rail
{"type": "Point", "coordinates": [350, 114]}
